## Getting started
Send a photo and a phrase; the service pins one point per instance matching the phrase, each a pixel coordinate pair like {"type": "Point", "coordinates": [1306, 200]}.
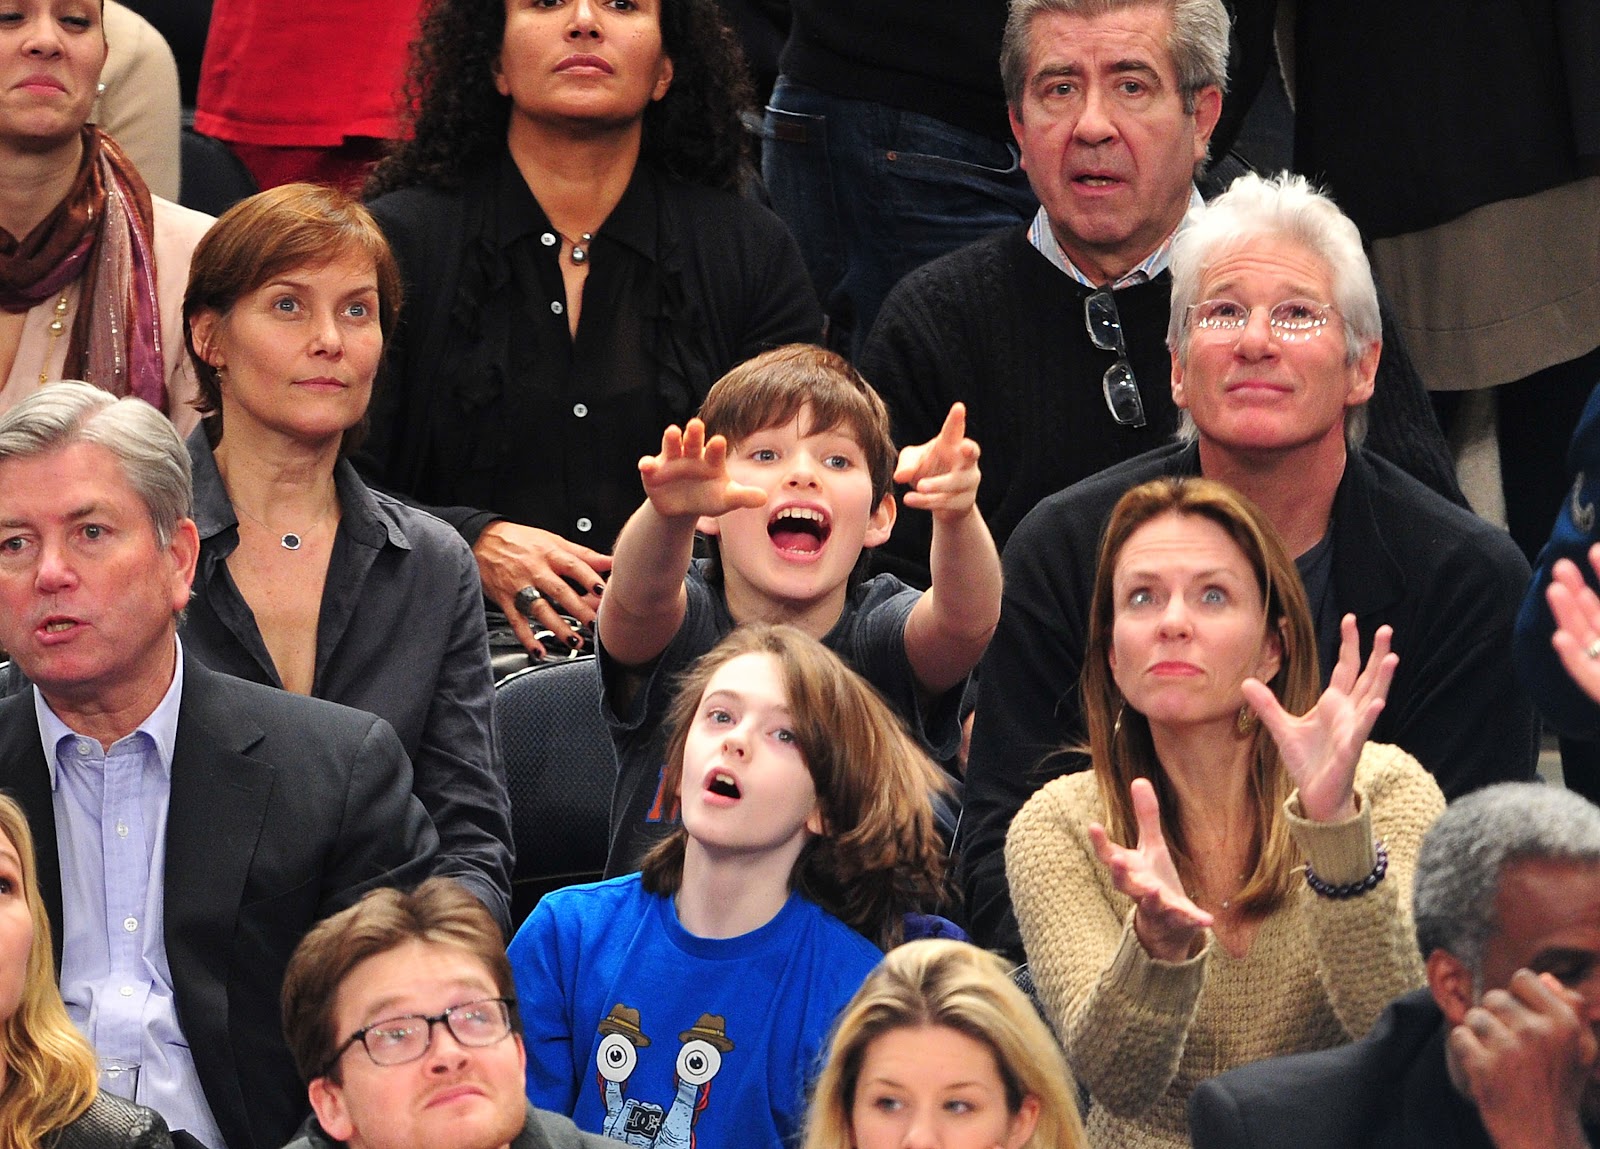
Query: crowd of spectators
{"type": "Point", "coordinates": [1072, 613]}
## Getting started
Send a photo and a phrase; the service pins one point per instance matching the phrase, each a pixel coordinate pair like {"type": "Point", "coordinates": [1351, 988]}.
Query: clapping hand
{"type": "Point", "coordinates": [1321, 747]}
{"type": "Point", "coordinates": [943, 472]}
{"type": "Point", "coordinates": [1577, 613]}
{"type": "Point", "coordinates": [690, 476]}
{"type": "Point", "coordinates": [1167, 923]}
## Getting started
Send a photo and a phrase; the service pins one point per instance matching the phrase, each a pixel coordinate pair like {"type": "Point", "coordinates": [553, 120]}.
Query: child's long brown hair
{"type": "Point", "coordinates": [880, 853]}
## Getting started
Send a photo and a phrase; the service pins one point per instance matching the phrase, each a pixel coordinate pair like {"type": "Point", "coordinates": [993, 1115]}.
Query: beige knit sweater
{"type": "Point", "coordinates": [1141, 1033]}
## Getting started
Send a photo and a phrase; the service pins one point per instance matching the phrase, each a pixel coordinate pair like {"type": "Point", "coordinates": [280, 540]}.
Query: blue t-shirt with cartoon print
{"type": "Point", "coordinates": [654, 1037]}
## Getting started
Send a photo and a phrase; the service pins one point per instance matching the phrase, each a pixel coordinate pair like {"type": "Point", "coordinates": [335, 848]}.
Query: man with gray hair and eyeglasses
{"type": "Point", "coordinates": [1500, 1048]}
{"type": "Point", "coordinates": [190, 826]}
{"type": "Point", "coordinates": [1274, 339]}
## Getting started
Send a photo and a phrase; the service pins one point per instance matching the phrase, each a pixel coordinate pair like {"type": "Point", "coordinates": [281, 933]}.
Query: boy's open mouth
{"type": "Point", "coordinates": [723, 785]}
{"type": "Point", "coordinates": [799, 529]}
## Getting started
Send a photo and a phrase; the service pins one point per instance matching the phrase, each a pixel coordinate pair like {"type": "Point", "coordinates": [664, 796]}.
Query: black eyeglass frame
{"type": "Point", "coordinates": [506, 1004]}
{"type": "Point", "coordinates": [1118, 384]}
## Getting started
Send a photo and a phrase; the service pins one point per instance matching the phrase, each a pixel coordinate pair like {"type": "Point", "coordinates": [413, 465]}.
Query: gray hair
{"type": "Point", "coordinates": [1284, 206]}
{"type": "Point", "coordinates": [1198, 43]}
{"type": "Point", "coordinates": [145, 444]}
{"type": "Point", "coordinates": [1466, 852]}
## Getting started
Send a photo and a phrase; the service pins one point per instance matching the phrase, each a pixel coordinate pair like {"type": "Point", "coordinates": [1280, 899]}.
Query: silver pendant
{"type": "Point", "coordinates": [290, 541]}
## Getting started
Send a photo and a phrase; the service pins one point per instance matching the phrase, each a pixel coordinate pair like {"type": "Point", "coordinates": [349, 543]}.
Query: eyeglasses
{"type": "Point", "coordinates": [1120, 387]}
{"type": "Point", "coordinates": [397, 1040]}
{"type": "Point", "coordinates": [1292, 321]}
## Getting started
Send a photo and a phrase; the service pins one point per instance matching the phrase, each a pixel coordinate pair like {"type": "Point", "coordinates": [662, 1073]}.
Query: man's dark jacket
{"type": "Point", "coordinates": [284, 809]}
{"type": "Point", "coordinates": [1390, 1090]}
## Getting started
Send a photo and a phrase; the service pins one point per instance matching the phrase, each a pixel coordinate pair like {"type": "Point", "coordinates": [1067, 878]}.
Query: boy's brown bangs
{"type": "Point", "coordinates": [773, 388]}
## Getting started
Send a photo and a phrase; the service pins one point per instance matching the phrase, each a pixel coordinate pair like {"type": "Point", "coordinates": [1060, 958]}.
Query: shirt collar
{"type": "Point", "coordinates": [160, 727]}
{"type": "Point", "coordinates": [632, 222]}
{"type": "Point", "coordinates": [1043, 237]}
{"type": "Point", "coordinates": [214, 514]}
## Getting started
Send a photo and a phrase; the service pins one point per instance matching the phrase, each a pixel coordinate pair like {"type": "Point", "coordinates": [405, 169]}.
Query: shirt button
{"type": "Point", "coordinates": [130, 924]}
{"type": "Point", "coordinates": [555, 306]}
{"type": "Point", "coordinates": [585, 525]}
{"type": "Point", "coordinates": [83, 746]}
{"type": "Point", "coordinates": [126, 991]}
{"type": "Point", "coordinates": [580, 409]}
{"type": "Point", "coordinates": [122, 829]}
{"type": "Point", "coordinates": [547, 239]}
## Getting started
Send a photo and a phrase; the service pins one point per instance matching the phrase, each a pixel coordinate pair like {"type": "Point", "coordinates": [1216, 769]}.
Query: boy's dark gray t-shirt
{"type": "Point", "coordinates": [869, 637]}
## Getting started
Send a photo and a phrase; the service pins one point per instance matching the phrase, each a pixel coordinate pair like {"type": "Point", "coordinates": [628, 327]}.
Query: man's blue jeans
{"type": "Point", "coordinates": [871, 192]}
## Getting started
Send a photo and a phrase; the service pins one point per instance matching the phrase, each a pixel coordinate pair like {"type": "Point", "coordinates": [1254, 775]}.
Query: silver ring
{"type": "Point", "coordinates": [1593, 649]}
{"type": "Point", "coordinates": [527, 597]}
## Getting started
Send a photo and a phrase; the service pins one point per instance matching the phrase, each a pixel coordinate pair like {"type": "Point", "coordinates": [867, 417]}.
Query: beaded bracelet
{"type": "Point", "coordinates": [1351, 889]}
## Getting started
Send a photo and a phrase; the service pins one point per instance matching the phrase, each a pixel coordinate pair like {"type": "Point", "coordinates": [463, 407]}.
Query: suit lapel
{"type": "Point", "coordinates": [24, 774]}
{"type": "Point", "coordinates": [214, 820]}
{"type": "Point", "coordinates": [1367, 579]}
{"type": "Point", "coordinates": [219, 801]}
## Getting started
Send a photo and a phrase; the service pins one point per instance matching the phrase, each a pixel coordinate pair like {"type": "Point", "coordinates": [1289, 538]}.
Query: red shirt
{"type": "Point", "coordinates": [305, 75]}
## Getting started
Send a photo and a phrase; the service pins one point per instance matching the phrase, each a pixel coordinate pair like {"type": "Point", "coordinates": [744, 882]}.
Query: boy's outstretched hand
{"type": "Point", "coordinates": [943, 472]}
{"type": "Point", "coordinates": [690, 476]}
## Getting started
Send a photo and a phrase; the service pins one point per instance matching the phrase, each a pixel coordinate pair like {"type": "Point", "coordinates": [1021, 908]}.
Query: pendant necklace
{"type": "Point", "coordinates": [580, 247]}
{"type": "Point", "coordinates": [289, 540]}
{"type": "Point", "coordinates": [57, 325]}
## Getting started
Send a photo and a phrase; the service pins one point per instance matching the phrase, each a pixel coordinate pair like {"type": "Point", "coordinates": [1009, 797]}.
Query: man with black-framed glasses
{"type": "Point", "coordinates": [400, 1016]}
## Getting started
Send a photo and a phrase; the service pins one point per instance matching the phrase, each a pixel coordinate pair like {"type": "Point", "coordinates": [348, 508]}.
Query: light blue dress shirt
{"type": "Point", "coordinates": [111, 830]}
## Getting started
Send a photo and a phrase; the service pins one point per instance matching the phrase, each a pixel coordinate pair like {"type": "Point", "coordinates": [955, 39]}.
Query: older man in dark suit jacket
{"type": "Point", "coordinates": [1500, 1049]}
{"type": "Point", "coordinates": [190, 826]}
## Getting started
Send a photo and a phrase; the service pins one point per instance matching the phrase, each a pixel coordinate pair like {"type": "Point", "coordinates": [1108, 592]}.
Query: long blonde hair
{"type": "Point", "coordinates": [51, 1073]}
{"type": "Point", "coordinates": [957, 986]}
{"type": "Point", "coordinates": [1119, 736]}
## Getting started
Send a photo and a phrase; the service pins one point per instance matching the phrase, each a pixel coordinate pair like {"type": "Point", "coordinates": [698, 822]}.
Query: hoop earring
{"type": "Point", "coordinates": [1116, 723]}
{"type": "Point", "coordinates": [1246, 721]}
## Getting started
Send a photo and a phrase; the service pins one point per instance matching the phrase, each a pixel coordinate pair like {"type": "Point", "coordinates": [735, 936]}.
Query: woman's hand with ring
{"type": "Point", "coordinates": [514, 559]}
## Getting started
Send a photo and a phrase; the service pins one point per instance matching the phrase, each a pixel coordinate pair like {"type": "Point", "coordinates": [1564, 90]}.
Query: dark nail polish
{"type": "Point", "coordinates": [574, 641]}
{"type": "Point", "coordinates": [599, 588]}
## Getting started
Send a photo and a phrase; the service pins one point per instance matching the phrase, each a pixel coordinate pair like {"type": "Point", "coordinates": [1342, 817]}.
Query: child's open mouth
{"type": "Point", "coordinates": [723, 785]}
{"type": "Point", "coordinates": [800, 530]}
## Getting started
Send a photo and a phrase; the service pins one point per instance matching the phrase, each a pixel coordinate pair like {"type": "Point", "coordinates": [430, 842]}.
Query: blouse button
{"type": "Point", "coordinates": [585, 525]}
{"type": "Point", "coordinates": [555, 306]}
{"type": "Point", "coordinates": [580, 409]}
{"type": "Point", "coordinates": [547, 239]}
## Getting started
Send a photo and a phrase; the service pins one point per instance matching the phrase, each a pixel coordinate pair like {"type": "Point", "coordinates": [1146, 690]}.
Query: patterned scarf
{"type": "Point", "coordinates": [103, 232]}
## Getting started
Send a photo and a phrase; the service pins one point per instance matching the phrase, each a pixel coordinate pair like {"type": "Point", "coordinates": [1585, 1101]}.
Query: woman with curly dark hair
{"type": "Point", "coordinates": [579, 268]}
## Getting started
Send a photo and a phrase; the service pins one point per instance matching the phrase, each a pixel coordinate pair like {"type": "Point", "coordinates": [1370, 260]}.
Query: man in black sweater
{"type": "Point", "coordinates": [1053, 334]}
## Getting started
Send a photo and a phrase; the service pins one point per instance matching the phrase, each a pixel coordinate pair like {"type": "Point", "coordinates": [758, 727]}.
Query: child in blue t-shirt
{"type": "Point", "coordinates": [789, 472]}
{"type": "Point", "coordinates": [688, 1004]}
